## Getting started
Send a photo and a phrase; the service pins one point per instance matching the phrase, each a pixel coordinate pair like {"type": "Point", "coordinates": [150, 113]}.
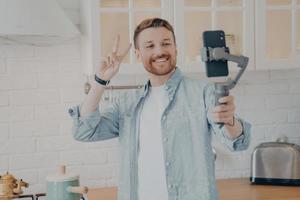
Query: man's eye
{"type": "Point", "coordinates": [149, 46]}
{"type": "Point", "coordinates": [166, 44]}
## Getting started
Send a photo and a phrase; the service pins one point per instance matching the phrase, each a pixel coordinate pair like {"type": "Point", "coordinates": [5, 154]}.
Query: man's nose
{"type": "Point", "coordinates": [158, 50]}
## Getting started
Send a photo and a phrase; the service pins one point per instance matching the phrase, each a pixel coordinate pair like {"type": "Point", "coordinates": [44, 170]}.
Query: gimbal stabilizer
{"type": "Point", "coordinates": [221, 53]}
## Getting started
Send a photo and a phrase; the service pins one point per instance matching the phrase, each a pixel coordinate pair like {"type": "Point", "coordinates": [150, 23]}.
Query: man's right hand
{"type": "Point", "coordinates": [110, 65]}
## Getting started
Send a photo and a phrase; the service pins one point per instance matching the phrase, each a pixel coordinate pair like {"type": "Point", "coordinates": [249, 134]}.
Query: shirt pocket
{"type": "Point", "coordinates": [176, 115]}
{"type": "Point", "coordinates": [176, 120]}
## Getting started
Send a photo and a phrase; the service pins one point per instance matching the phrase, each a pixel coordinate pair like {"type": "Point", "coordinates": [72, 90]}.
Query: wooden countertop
{"type": "Point", "coordinates": [229, 189]}
{"type": "Point", "coordinates": [241, 189]}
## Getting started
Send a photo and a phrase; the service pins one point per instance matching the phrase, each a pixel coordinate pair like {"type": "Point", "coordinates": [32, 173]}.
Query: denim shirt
{"type": "Point", "coordinates": [187, 129]}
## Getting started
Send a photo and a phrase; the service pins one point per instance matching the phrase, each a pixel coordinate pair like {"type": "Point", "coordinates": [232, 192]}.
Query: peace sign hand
{"type": "Point", "coordinates": [110, 65]}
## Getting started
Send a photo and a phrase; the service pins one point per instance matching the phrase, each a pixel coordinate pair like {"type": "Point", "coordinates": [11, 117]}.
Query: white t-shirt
{"type": "Point", "coordinates": [151, 167]}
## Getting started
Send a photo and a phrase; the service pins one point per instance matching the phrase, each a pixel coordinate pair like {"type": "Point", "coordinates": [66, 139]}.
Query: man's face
{"type": "Point", "coordinates": [157, 50]}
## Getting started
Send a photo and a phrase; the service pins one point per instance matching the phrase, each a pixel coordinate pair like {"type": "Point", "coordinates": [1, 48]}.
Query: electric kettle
{"type": "Point", "coordinates": [64, 186]}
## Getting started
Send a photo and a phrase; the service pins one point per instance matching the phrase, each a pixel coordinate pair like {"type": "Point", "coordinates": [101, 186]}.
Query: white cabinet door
{"type": "Point", "coordinates": [278, 34]}
{"type": "Point", "coordinates": [102, 20]}
{"type": "Point", "coordinates": [192, 17]}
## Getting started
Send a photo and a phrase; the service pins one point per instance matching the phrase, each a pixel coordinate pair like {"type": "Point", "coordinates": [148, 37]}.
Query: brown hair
{"type": "Point", "coordinates": [149, 23]}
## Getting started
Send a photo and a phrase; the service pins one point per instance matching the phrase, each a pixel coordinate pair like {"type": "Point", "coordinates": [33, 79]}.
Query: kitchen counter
{"type": "Point", "coordinates": [229, 189]}
{"type": "Point", "coordinates": [241, 189]}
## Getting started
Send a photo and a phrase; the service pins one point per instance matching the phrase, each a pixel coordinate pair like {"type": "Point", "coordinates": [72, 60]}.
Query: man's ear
{"type": "Point", "coordinates": [138, 55]}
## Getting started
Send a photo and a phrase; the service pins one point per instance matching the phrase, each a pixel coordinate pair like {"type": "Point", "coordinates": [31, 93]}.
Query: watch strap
{"type": "Point", "coordinates": [101, 81]}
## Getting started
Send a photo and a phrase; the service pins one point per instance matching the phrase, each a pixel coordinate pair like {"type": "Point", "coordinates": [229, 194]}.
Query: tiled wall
{"type": "Point", "coordinates": [39, 84]}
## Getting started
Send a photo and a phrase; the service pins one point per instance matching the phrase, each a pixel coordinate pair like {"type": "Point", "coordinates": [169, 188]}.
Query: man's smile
{"type": "Point", "coordinates": [161, 60]}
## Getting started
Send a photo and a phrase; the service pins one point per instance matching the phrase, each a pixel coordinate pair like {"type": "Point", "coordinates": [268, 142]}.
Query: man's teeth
{"type": "Point", "coordinates": [161, 60]}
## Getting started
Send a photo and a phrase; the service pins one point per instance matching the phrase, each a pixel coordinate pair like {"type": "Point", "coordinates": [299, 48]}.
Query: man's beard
{"type": "Point", "coordinates": [164, 70]}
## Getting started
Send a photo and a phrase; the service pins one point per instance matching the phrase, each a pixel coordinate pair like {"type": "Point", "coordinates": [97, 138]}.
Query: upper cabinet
{"type": "Point", "coordinates": [102, 20]}
{"type": "Point", "coordinates": [193, 17]}
{"type": "Point", "coordinates": [277, 34]}
{"type": "Point", "coordinates": [267, 31]}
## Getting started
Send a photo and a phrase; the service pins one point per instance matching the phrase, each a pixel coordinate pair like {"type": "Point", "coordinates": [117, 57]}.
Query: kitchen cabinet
{"type": "Point", "coordinates": [192, 17]}
{"type": "Point", "coordinates": [277, 34]}
{"type": "Point", "coordinates": [267, 31]}
{"type": "Point", "coordinates": [229, 189]}
{"type": "Point", "coordinates": [101, 20]}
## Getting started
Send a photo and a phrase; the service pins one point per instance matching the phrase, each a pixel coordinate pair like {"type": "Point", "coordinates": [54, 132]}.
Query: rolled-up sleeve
{"type": "Point", "coordinates": [236, 144]}
{"type": "Point", "coordinates": [95, 126]}
{"type": "Point", "coordinates": [240, 143]}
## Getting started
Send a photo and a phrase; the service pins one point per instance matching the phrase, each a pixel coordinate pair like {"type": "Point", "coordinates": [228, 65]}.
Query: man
{"type": "Point", "coordinates": [164, 129]}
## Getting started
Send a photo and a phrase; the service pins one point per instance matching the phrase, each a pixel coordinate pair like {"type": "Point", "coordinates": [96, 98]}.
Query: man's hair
{"type": "Point", "coordinates": [151, 23]}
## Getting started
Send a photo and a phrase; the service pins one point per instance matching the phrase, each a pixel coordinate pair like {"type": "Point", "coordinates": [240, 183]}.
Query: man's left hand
{"type": "Point", "coordinates": [224, 113]}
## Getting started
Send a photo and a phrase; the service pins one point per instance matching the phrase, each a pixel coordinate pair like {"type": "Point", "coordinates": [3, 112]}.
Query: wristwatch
{"type": "Point", "coordinates": [101, 81]}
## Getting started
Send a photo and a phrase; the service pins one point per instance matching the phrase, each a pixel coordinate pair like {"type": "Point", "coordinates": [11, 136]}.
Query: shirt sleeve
{"type": "Point", "coordinates": [96, 125]}
{"type": "Point", "coordinates": [236, 144]}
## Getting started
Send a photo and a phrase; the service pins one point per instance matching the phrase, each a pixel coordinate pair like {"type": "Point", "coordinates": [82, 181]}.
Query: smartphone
{"type": "Point", "coordinates": [215, 39]}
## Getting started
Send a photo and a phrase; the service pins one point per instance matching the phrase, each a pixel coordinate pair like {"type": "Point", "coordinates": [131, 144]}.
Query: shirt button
{"type": "Point", "coordinates": [170, 186]}
{"type": "Point", "coordinates": [165, 139]}
{"type": "Point", "coordinates": [167, 164]}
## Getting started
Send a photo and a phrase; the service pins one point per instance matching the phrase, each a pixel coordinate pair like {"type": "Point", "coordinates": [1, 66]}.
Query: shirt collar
{"type": "Point", "coordinates": [171, 84]}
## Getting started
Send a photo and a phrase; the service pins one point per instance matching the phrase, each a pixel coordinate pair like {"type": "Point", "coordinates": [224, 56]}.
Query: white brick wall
{"type": "Point", "coordinates": [270, 101]}
{"type": "Point", "coordinates": [2, 66]}
{"type": "Point", "coordinates": [4, 130]}
{"type": "Point", "coordinates": [4, 98]}
{"type": "Point", "coordinates": [39, 84]}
